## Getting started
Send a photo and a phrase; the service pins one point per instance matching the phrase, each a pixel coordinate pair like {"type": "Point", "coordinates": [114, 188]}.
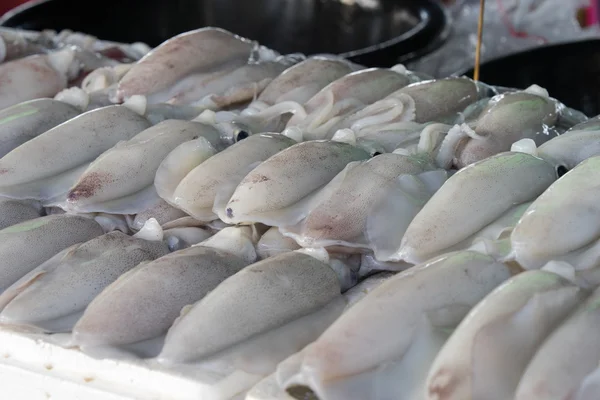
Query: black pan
{"type": "Point", "coordinates": [397, 31]}
{"type": "Point", "coordinates": [570, 72]}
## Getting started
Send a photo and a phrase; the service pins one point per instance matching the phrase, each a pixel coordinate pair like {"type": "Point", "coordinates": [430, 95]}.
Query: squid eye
{"type": "Point", "coordinates": [377, 153]}
{"type": "Point", "coordinates": [241, 135]}
{"type": "Point", "coordinates": [561, 170]}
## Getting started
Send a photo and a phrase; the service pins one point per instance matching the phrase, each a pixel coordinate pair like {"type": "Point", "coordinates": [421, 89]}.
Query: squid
{"type": "Point", "coordinates": [278, 190]}
{"type": "Point", "coordinates": [54, 295]}
{"type": "Point", "coordinates": [121, 180]}
{"type": "Point", "coordinates": [281, 289]}
{"type": "Point", "coordinates": [368, 205]}
{"type": "Point", "coordinates": [507, 118]}
{"type": "Point", "coordinates": [384, 344]}
{"type": "Point", "coordinates": [183, 237]}
{"type": "Point", "coordinates": [208, 51]}
{"type": "Point", "coordinates": [470, 200]}
{"type": "Point", "coordinates": [240, 86]}
{"type": "Point", "coordinates": [566, 364]}
{"type": "Point", "coordinates": [342, 97]}
{"type": "Point", "coordinates": [120, 314]}
{"type": "Point", "coordinates": [560, 225]}
{"type": "Point", "coordinates": [489, 351]}
{"type": "Point", "coordinates": [56, 158]}
{"type": "Point", "coordinates": [35, 76]}
{"type": "Point", "coordinates": [25, 121]}
{"type": "Point", "coordinates": [51, 234]}
{"type": "Point", "coordinates": [296, 85]}
{"type": "Point", "coordinates": [197, 191]}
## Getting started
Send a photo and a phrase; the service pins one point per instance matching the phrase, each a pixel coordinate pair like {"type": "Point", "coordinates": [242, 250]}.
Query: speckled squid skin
{"type": "Point", "coordinates": [261, 297]}
{"type": "Point", "coordinates": [13, 212]}
{"type": "Point", "coordinates": [473, 198]}
{"type": "Point", "coordinates": [120, 314]}
{"type": "Point", "coordinates": [196, 193]}
{"type": "Point", "coordinates": [564, 219]}
{"type": "Point", "coordinates": [286, 178]}
{"type": "Point", "coordinates": [489, 351]}
{"type": "Point", "coordinates": [65, 148]}
{"type": "Point", "coordinates": [566, 359]}
{"type": "Point", "coordinates": [51, 235]}
{"type": "Point", "coordinates": [51, 296]}
{"type": "Point", "coordinates": [204, 50]}
{"type": "Point", "coordinates": [114, 182]}
{"type": "Point", "coordinates": [380, 329]}
{"type": "Point", "coordinates": [25, 121]}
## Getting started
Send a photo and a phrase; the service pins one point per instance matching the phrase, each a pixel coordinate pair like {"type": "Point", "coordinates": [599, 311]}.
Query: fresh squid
{"type": "Point", "coordinates": [50, 234]}
{"type": "Point", "coordinates": [383, 345]}
{"type": "Point", "coordinates": [239, 86]}
{"type": "Point", "coordinates": [259, 298]}
{"type": "Point", "coordinates": [507, 118]}
{"type": "Point", "coordinates": [24, 121]}
{"type": "Point", "coordinates": [489, 351]}
{"type": "Point", "coordinates": [470, 200]}
{"type": "Point", "coordinates": [307, 166]}
{"type": "Point", "coordinates": [561, 224]}
{"type": "Point", "coordinates": [369, 204]}
{"type": "Point", "coordinates": [272, 243]}
{"type": "Point", "coordinates": [53, 296]}
{"type": "Point", "coordinates": [35, 76]}
{"type": "Point", "coordinates": [342, 97]}
{"type": "Point", "coordinates": [121, 180]}
{"type": "Point", "coordinates": [163, 212]}
{"type": "Point", "coordinates": [567, 360]}
{"type": "Point", "coordinates": [196, 193]}
{"type": "Point", "coordinates": [120, 314]}
{"type": "Point", "coordinates": [186, 236]}
{"type": "Point", "coordinates": [45, 167]}
{"type": "Point", "coordinates": [207, 51]}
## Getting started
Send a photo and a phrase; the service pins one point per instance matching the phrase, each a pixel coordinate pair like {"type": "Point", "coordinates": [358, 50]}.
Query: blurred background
{"type": "Point", "coordinates": [554, 43]}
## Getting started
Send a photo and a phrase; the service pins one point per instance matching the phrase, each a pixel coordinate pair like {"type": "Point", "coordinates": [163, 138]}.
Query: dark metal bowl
{"type": "Point", "coordinates": [396, 31]}
{"type": "Point", "coordinates": [570, 72]}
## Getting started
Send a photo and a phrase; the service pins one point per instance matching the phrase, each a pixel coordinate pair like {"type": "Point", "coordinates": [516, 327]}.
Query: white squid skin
{"type": "Point", "coordinates": [184, 237]}
{"type": "Point", "coordinates": [121, 180]}
{"type": "Point", "coordinates": [436, 100]}
{"type": "Point", "coordinates": [53, 298]}
{"type": "Point", "coordinates": [471, 199]}
{"type": "Point", "coordinates": [196, 193]}
{"type": "Point", "coordinates": [205, 50]}
{"type": "Point", "coordinates": [180, 162]}
{"type": "Point", "coordinates": [488, 352]}
{"type": "Point", "coordinates": [287, 179]}
{"type": "Point", "coordinates": [340, 218]}
{"type": "Point", "coordinates": [13, 212]}
{"type": "Point", "coordinates": [571, 148]}
{"type": "Point", "coordinates": [563, 223]}
{"type": "Point", "coordinates": [120, 314]}
{"type": "Point", "coordinates": [34, 77]}
{"type": "Point", "coordinates": [567, 357]}
{"type": "Point", "coordinates": [57, 157]}
{"type": "Point", "coordinates": [383, 345]}
{"type": "Point", "coordinates": [24, 121]}
{"type": "Point", "coordinates": [344, 96]}
{"type": "Point", "coordinates": [272, 243]}
{"type": "Point", "coordinates": [51, 234]}
{"type": "Point", "coordinates": [241, 85]}
{"type": "Point", "coordinates": [507, 118]}
{"type": "Point", "coordinates": [259, 298]}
